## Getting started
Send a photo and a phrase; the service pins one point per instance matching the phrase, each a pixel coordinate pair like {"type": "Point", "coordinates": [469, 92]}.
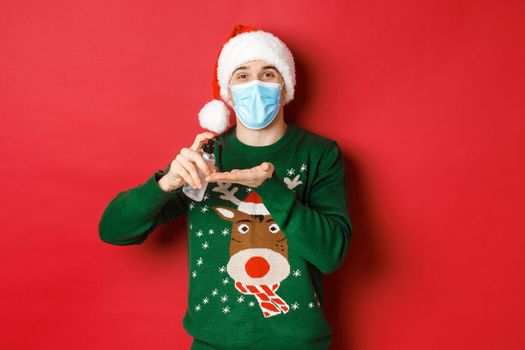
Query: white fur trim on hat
{"type": "Point", "coordinates": [256, 45]}
{"type": "Point", "coordinates": [214, 116]}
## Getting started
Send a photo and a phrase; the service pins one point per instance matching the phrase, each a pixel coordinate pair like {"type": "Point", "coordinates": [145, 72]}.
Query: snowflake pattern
{"type": "Point", "coordinates": [310, 305]}
{"type": "Point", "coordinates": [225, 281]}
{"type": "Point", "coordinates": [226, 309]}
{"type": "Point", "coordinates": [204, 209]}
{"type": "Point", "coordinates": [211, 231]}
{"type": "Point", "coordinates": [197, 307]}
{"type": "Point", "coordinates": [224, 298]}
{"type": "Point", "coordinates": [249, 189]}
{"type": "Point", "coordinates": [194, 274]}
{"type": "Point", "coordinates": [303, 167]}
{"type": "Point", "coordinates": [225, 232]}
{"type": "Point", "coordinates": [199, 233]}
{"type": "Point", "coordinates": [205, 245]}
{"type": "Point", "coordinates": [199, 261]}
{"type": "Point", "coordinates": [290, 171]}
{"type": "Point", "coordinates": [192, 205]}
{"type": "Point", "coordinates": [206, 196]}
{"type": "Point", "coordinates": [240, 299]}
{"type": "Point", "coordinates": [295, 305]}
{"type": "Point", "coordinates": [214, 292]}
{"type": "Point", "coordinates": [251, 303]}
{"type": "Point", "coordinates": [222, 269]}
{"type": "Point", "coordinates": [297, 273]}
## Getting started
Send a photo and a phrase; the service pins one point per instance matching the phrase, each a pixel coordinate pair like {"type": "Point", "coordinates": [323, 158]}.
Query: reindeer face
{"type": "Point", "coordinates": [253, 231]}
{"type": "Point", "coordinates": [258, 245]}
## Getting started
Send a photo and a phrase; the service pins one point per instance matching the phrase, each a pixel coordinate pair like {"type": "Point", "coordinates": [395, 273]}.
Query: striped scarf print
{"type": "Point", "coordinates": [270, 303]}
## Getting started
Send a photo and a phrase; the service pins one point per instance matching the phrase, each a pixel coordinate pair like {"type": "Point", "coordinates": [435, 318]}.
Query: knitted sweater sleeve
{"type": "Point", "coordinates": [320, 229]}
{"type": "Point", "coordinates": [133, 214]}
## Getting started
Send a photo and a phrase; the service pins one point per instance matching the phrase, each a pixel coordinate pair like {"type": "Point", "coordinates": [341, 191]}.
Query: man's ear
{"type": "Point", "coordinates": [230, 95]}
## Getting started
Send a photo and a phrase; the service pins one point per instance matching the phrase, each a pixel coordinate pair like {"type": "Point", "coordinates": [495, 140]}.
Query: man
{"type": "Point", "coordinates": [274, 217]}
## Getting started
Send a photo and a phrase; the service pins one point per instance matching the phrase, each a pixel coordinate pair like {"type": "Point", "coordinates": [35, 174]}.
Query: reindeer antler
{"type": "Point", "coordinates": [291, 184]}
{"type": "Point", "coordinates": [227, 193]}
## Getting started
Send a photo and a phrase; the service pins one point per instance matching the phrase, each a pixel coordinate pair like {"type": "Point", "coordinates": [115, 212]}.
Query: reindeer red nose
{"type": "Point", "coordinates": [257, 266]}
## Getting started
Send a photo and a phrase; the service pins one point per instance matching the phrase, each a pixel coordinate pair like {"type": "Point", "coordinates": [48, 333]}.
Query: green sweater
{"type": "Point", "coordinates": [255, 255]}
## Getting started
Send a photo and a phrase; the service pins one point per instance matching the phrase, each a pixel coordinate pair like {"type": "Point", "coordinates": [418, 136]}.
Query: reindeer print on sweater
{"type": "Point", "coordinates": [258, 252]}
{"type": "Point", "coordinates": [256, 261]}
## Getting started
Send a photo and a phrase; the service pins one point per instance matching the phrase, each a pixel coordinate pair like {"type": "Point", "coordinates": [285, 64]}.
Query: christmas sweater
{"type": "Point", "coordinates": [255, 255]}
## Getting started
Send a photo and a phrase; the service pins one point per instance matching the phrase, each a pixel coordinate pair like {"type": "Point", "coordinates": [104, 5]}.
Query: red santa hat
{"type": "Point", "coordinates": [245, 43]}
{"type": "Point", "coordinates": [253, 205]}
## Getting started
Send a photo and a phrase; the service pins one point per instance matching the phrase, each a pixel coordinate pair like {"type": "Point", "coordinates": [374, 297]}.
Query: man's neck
{"type": "Point", "coordinates": [262, 137]}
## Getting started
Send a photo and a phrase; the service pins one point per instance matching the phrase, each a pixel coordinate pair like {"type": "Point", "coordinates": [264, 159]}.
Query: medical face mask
{"type": "Point", "coordinates": [256, 102]}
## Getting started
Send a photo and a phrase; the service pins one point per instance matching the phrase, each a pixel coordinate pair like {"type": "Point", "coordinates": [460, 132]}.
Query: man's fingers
{"type": "Point", "coordinates": [265, 166]}
{"type": "Point", "coordinates": [190, 168]}
{"type": "Point", "coordinates": [196, 157]}
{"type": "Point", "coordinates": [201, 139]}
{"type": "Point", "coordinates": [236, 175]}
{"type": "Point", "coordinates": [183, 173]}
{"type": "Point", "coordinates": [223, 177]}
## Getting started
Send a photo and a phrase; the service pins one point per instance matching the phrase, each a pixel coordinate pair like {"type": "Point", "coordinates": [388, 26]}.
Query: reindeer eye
{"type": "Point", "coordinates": [243, 228]}
{"type": "Point", "coordinates": [274, 228]}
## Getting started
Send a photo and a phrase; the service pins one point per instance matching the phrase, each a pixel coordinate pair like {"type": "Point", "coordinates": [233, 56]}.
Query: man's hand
{"type": "Point", "coordinates": [186, 166]}
{"type": "Point", "coordinates": [252, 177]}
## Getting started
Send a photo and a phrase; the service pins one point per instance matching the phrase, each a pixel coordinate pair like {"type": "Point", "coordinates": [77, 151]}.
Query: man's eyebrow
{"type": "Point", "coordinates": [241, 67]}
{"type": "Point", "coordinates": [270, 67]}
{"type": "Point", "coordinates": [247, 68]}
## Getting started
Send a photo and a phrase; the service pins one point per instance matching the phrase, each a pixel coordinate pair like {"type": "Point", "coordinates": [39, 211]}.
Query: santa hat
{"type": "Point", "coordinates": [245, 43]}
{"type": "Point", "coordinates": [253, 205]}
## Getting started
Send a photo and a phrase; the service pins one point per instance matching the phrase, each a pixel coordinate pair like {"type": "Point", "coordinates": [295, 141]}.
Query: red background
{"type": "Point", "coordinates": [426, 99]}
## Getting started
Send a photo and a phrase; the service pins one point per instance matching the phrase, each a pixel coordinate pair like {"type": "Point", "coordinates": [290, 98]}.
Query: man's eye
{"type": "Point", "coordinates": [241, 76]}
{"type": "Point", "coordinates": [269, 75]}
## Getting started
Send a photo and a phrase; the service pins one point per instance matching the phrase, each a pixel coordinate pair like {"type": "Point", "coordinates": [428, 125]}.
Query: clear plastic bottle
{"type": "Point", "coordinates": [198, 193]}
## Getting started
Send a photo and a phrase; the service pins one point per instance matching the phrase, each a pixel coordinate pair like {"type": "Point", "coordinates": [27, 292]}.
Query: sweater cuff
{"type": "Point", "coordinates": [153, 196]}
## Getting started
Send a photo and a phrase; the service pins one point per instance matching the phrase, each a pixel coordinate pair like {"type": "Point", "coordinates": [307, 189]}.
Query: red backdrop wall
{"type": "Point", "coordinates": [424, 97]}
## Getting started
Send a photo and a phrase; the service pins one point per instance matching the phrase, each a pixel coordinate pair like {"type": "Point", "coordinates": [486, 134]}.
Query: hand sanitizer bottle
{"type": "Point", "coordinates": [198, 193]}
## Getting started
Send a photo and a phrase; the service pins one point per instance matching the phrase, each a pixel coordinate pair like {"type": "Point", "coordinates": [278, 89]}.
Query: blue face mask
{"type": "Point", "coordinates": [256, 103]}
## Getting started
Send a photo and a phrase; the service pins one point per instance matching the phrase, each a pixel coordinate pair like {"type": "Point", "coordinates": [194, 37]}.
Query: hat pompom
{"type": "Point", "coordinates": [214, 116]}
